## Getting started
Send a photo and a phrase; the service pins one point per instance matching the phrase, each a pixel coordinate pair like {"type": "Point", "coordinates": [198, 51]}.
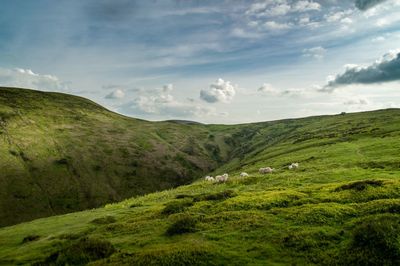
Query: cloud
{"type": "Point", "coordinates": [26, 78]}
{"type": "Point", "coordinates": [276, 26]}
{"type": "Point", "coordinates": [220, 91]}
{"type": "Point", "coordinates": [161, 103]}
{"type": "Point", "coordinates": [386, 69]}
{"type": "Point", "coordinates": [357, 101]}
{"type": "Point", "coordinates": [315, 52]}
{"type": "Point", "coordinates": [366, 4]}
{"type": "Point", "coordinates": [116, 94]}
{"type": "Point", "coordinates": [268, 89]}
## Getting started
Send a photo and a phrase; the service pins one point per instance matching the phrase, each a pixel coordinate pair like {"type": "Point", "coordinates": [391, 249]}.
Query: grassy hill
{"type": "Point", "coordinates": [341, 207]}
{"type": "Point", "coordinates": [61, 153]}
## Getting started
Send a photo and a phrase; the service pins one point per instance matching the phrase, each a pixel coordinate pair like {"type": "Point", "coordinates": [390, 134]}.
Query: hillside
{"type": "Point", "coordinates": [341, 207]}
{"type": "Point", "coordinates": [61, 153]}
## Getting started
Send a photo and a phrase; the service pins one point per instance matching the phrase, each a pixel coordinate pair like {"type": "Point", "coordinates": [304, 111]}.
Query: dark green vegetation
{"type": "Point", "coordinates": [341, 207]}
{"type": "Point", "coordinates": [61, 153]}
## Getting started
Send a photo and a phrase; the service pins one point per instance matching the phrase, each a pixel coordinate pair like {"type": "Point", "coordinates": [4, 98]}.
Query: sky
{"type": "Point", "coordinates": [212, 61]}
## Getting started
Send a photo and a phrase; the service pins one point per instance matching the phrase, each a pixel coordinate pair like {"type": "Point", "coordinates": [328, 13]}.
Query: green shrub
{"type": "Point", "coordinates": [360, 185]}
{"type": "Point", "coordinates": [185, 224]}
{"type": "Point", "coordinates": [226, 194]}
{"type": "Point", "coordinates": [30, 238]}
{"type": "Point", "coordinates": [375, 241]}
{"type": "Point", "coordinates": [176, 206]}
{"type": "Point", "coordinates": [196, 256]}
{"type": "Point", "coordinates": [104, 220]}
{"type": "Point", "coordinates": [80, 253]}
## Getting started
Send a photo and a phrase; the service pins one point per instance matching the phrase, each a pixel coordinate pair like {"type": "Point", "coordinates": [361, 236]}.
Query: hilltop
{"type": "Point", "coordinates": [341, 207]}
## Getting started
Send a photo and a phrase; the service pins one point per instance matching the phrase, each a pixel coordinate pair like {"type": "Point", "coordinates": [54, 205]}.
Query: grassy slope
{"type": "Point", "coordinates": [61, 153]}
{"type": "Point", "coordinates": [314, 215]}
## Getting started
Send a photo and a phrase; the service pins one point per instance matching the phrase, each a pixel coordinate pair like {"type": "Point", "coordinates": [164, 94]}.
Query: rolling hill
{"type": "Point", "coordinates": [341, 207]}
{"type": "Point", "coordinates": [61, 153]}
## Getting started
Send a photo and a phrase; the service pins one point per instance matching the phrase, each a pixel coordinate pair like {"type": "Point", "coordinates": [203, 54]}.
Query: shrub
{"type": "Point", "coordinates": [185, 224]}
{"type": "Point", "coordinates": [360, 185]}
{"type": "Point", "coordinates": [80, 253]}
{"type": "Point", "coordinates": [135, 205]}
{"type": "Point", "coordinates": [176, 206]}
{"type": "Point", "coordinates": [30, 238]}
{"type": "Point", "coordinates": [226, 194]}
{"type": "Point", "coordinates": [179, 256]}
{"type": "Point", "coordinates": [104, 220]}
{"type": "Point", "coordinates": [375, 241]}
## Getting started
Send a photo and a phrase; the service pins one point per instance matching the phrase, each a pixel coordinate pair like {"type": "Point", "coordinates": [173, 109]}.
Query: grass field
{"type": "Point", "coordinates": [340, 207]}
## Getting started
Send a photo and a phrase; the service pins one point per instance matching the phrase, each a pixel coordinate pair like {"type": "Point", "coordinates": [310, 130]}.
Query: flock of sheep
{"type": "Point", "coordinates": [264, 170]}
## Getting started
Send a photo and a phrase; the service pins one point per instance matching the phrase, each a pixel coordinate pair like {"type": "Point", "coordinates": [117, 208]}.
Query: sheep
{"type": "Point", "coordinates": [293, 166]}
{"type": "Point", "coordinates": [266, 170]}
{"type": "Point", "coordinates": [222, 178]}
{"type": "Point", "coordinates": [209, 178]}
{"type": "Point", "coordinates": [244, 174]}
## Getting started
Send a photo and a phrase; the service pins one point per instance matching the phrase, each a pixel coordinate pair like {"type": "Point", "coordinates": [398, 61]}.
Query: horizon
{"type": "Point", "coordinates": [218, 62]}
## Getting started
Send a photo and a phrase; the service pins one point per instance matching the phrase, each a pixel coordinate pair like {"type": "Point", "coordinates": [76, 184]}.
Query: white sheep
{"type": "Point", "coordinates": [222, 178]}
{"type": "Point", "coordinates": [244, 174]}
{"type": "Point", "coordinates": [209, 178]}
{"type": "Point", "coordinates": [266, 170]}
{"type": "Point", "coordinates": [293, 166]}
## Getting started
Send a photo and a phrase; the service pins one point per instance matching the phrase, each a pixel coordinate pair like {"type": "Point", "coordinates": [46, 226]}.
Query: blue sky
{"type": "Point", "coordinates": [225, 61]}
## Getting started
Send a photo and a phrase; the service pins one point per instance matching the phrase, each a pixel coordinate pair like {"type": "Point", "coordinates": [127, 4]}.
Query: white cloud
{"type": "Point", "coordinates": [26, 78]}
{"type": "Point", "coordinates": [357, 101]}
{"type": "Point", "coordinates": [116, 94]}
{"type": "Point", "coordinates": [268, 88]}
{"type": "Point", "coordinates": [315, 52]}
{"type": "Point", "coordinates": [161, 103]}
{"type": "Point", "coordinates": [220, 91]}
{"type": "Point", "coordinates": [276, 26]}
{"type": "Point", "coordinates": [303, 6]}
{"type": "Point", "coordinates": [378, 39]}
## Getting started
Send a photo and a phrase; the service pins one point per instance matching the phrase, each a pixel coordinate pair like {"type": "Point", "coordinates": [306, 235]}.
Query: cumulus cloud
{"type": "Point", "coordinates": [116, 94]}
{"type": "Point", "coordinates": [385, 69]}
{"type": "Point", "coordinates": [26, 78]}
{"type": "Point", "coordinates": [160, 102]}
{"type": "Point", "coordinates": [315, 52]}
{"type": "Point", "coordinates": [366, 4]}
{"type": "Point", "coordinates": [220, 91]}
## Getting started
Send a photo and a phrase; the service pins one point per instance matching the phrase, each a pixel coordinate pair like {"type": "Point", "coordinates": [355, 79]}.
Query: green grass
{"type": "Point", "coordinates": [341, 207]}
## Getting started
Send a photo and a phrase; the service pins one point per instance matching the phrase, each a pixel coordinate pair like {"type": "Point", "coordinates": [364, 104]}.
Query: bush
{"type": "Point", "coordinates": [360, 185]}
{"type": "Point", "coordinates": [185, 224]}
{"type": "Point", "coordinates": [80, 253]}
{"type": "Point", "coordinates": [30, 238]}
{"type": "Point", "coordinates": [223, 195]}
{"type": "Point", "coordinates": [176, 206]}
{"type": "Point", "coordinates": [375, 241]}
{"type": "Point", "coordinates": [188, 255]}
{"type": "Point", "coordinates": [104, 220]}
